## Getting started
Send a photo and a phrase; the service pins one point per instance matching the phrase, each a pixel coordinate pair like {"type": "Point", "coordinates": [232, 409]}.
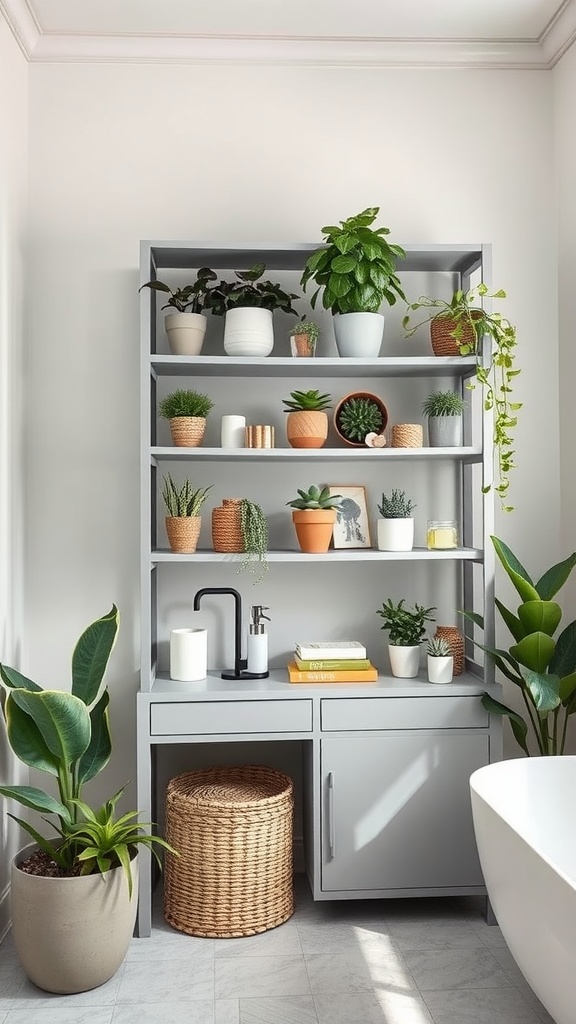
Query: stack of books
{"type": "Point", "coordinates": [339, 661]}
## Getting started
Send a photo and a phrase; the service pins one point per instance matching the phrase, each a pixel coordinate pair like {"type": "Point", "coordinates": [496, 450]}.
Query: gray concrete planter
{"type": "Point", "coordinates": [445, 431]}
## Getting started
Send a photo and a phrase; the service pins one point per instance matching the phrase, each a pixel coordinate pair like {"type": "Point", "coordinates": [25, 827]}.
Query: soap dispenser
{"type": "Point", "coordinates": [257, 646]}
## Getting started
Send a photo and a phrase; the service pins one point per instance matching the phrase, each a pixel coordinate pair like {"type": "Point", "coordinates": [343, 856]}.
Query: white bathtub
{"type": "Point", "coordinates": [525, 822]}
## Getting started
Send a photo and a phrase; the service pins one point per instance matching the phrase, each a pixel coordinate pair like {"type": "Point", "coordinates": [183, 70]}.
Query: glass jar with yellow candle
{"type": "Point", "coordinates": [442, 534]}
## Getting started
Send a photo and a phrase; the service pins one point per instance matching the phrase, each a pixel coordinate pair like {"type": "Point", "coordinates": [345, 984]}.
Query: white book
{"type": "Point", "coordinates": [312, 649]}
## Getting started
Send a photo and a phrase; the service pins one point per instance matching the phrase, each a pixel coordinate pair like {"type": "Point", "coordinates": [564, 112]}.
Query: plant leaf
{"type": "Point", "coordinates": [563, 661]}
{"type": "Point", "coordinates": [513, 623]}
{"type": "Point", "coordinates": [97, 754]}
{"type": "Point", "coordinates": [91, 654]}
{"type": "Point", "coordinates": [36, 799]}
{"type": "Point", "coordinates": [516, 571]}
{"type": "Point", "coordinates": [27, 741]}
{"type": "Point", "coordinates": [555, 578]}
{"type": "Point", "coordinates": [62, 719]}
{"type": "Point", "coordinates": [534, 651]}
{"type": "Point", "coordinates": [517, 723]}
{"type": "Point", "coordinates": [543, 688]}
{"type": "Point", "coordinates": [540, 616]}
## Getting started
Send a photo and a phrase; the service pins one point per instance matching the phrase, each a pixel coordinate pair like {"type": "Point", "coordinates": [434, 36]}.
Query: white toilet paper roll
{"type": "Point", "coordinates": [188, 654]}
{"type": "Point", "coordinates": [232, 431]}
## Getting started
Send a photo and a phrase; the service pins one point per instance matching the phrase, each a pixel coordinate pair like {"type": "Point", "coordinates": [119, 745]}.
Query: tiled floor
{"type": "Point", "coordinates": [373, 962]}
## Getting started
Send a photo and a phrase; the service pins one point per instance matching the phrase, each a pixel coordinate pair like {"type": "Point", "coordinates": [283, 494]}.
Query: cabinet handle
{"type": "Point", "coordinates": [331, 830]}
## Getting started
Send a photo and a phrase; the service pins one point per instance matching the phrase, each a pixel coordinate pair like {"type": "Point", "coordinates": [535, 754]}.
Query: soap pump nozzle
{"type": "Point", "coordinates": [257, 645]}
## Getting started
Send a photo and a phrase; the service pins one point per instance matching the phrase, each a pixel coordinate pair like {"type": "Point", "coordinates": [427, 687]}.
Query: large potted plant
{"type": "Point", "coordinates": [307, 421]}
{"type": "Point", "coordinates": [463, 324]}
{"type": "Point", "coordinates": [185, 328]}
{"type": "Point", "coordinates": [248, 305]}
{"type": "Point", "coordinates": [314, 515]}
{"type": "Point", "coordinates": [73, 895]}
{"type": "Point", "coordinates": [407, 628]}
{"type": "Point", "coordinates": [186, 410]}
{"type": "Point", "coordinates": [356, 272]}
{"type": "Point", "coordinates": [444, 411]}
{"type": "Point", "coordinates": [183, 519]}
{"type": "Point", "coordinates": [396, 527]}
{"type": "Point", "coordinates": [541, 662]}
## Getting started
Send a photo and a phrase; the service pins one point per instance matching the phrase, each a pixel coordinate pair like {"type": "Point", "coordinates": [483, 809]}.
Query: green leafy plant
{"type": "Point", "coordinates": [185, 500]}
{"type": "Point", "coordinates": [67, 735]}
{"type": "Point", "coordinates": [407, 626]}
{"type": "Point", "coordinates": [540, 662]}
{"type": "Point", "coordinates": [443, 403]}
{"type": "Point", "coordinates": [185, 403]}
{"type": "Point", "coordinates": [193, 298]}
{"type": "Point", "coordinates": [438, 647]}
{"type": "Point", "coordinates": [494, 364]}
{"type": "Point", "coordinates": [307, 401]}
{"type": "Point", "coordinates": [315, 498]}
{"type": "Point", "coordinates": [396, 505]}
{"type": "Point", "coordinates": [254, 529]}
{"type": "Point", "coordinates": [307, 327]}
{"type": "Point", "coordinates": [250, 290]}
{"type": "Point", "coordinates": [357, 417]}
{"type": "Point", "coordinates": [356, 268]}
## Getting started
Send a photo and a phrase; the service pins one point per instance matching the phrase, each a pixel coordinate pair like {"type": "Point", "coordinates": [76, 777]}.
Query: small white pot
{"type": "Point", "coordinates": [404, 661]}
{"type": "Point", "coordinates": [248, 332]}
{"type": "Point", "coordinates": [185, 333]}
{"type": "Point", "coordinates": [440, 670]}
{"type": "Point", "coordinates": [396, 534]}
{"type": "Point", "coordinates": [358, 335]}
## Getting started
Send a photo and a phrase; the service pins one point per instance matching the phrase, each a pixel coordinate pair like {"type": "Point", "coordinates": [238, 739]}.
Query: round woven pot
{"type": "Point", "coordinates": [360, 394]}
{"type": "Point", "coordinates": [407, 435]}
{"type": "Point", "coordinates": [306, 428]}
{"type": "Point", "coordinates": [456, 641]}
{"type": "Point", "coordinates": [183, 533]}
{"type": "Point", "coordinates": [314, 528]}
{"type": "Point", "coordinates": [227, 526]}
{"type": "Point", "coordinates": [232, 827]}
{"type": "Point", "coordinates": [443, 344]}
{"type": "Point", "coordinates": [187, 431]}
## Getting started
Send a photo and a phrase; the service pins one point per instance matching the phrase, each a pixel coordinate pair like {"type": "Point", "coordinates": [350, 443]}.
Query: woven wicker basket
{"type": "Point", "coordinates": [227, 526]}
{"type": "Point", "coordinates": [407, 435]}
{"type": "Point", "coordinates": [456, 641]}
{"type": "Point", "coordinates": [443, 344]}
{"type": "Point", "coordinates": [187, 431]}
{"type": "Point", "coordinates": [183, 533]}
{"type": "Point", "coordinates": [233, 830]}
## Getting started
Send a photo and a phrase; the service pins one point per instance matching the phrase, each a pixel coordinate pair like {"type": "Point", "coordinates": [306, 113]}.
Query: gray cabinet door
{"type": "Point", "coordinates": [396, 811]}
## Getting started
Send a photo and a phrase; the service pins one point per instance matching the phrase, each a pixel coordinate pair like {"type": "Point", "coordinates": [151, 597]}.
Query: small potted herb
{"type": "Point", "coordinates": [185, 328]}
{"type": "Point", "coordinates": [307, 422]}
{"type": "Point", "coordinates": [183, 520]}
{"type": "Point", "coordinates": [303, 338]}
{"type": "Point", "coordinates": [358, 414]}
{"type": "Point", "coordinates": [444, 411]}
{"type": "Point", "coordinates": [314, 515]}
{"type": "Point", "coordinates": [186, 412]}
{"type": "Point", "coordinates": [407, 628]}
{"type": "Point", "coordinates": [396, 528]}
{"type": "Point", "coordinates": [247, 305]}
{"type": "Point", "coordinates": [439, 660]}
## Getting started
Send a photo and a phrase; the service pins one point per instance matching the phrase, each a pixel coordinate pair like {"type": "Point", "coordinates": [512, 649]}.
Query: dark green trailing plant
{"type": "Point", "coordinates": [185, 500]}
{"type": "Point", "coordinates": [472, 320]}
{"type": "Point", "coordinates": [192, 298]}
{"type": "Point", "coordinates": [396, 505]}
{"type": "Point", "coordinates": [250, 290]}
{"type": "Point", "coordinates": [316, 498]}
{"type": "Point", "coordinates": [308, 401]}
{"type": "Point", "coordinates": [67, 734]}
{"type": "Point", "coordinates": [407, 626]}
{"type": "Point", "coordinates": [541, 662]}
{"type": "Point", "coordinates": [255, 538]}
{"type": "Point", "coordinates": [438, 647]}
{"type": "Point", "coordinates": [358, 417]}
{"type": "Point", "coordinates": [443, 403]}
{"type": "Point", "coordinates": [356, 269]}
{"type": "Point", "coordinates": [185, 403]}
{"type": "Point", "coordinates": [307, 327]}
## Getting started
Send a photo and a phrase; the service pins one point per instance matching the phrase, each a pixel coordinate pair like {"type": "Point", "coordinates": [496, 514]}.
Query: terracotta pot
{"type": "Point", "coordinates": [306, 428]}
{"type": "Point", "coordinates": [187, 431]}
{"type": "Point", "coordinates": [183, 533]}
{"type": "Point", "coordinates": [360, 394]}
{"type": "Point", "coordinates": [314, 528]}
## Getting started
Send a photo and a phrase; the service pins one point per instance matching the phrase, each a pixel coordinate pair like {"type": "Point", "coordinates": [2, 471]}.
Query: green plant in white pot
{"type": "Point", "coordinates": [248, 305]}
{"type": "Point", "coordinates": [396, 527]}
{"type": "Point", "coordinates": [407, 628]}
{"type": "Point", "coordinates": [439, 660]}
{"type": "Point", "coordinates": [356, 272]}
{"type": "Point", "coordinates": [444, 411]}
{"type": "Point", "coordinates": [186, 327]}
{"type": "Point", "coordinates": [73, 895]}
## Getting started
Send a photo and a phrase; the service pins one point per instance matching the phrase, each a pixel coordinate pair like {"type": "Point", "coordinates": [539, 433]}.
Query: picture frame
{"type": "Point", "coordinates": [352, 528]}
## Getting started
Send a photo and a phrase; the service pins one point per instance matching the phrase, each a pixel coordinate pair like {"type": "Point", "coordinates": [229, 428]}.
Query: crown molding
{"type": "Point", "coordinates": [515, 54]}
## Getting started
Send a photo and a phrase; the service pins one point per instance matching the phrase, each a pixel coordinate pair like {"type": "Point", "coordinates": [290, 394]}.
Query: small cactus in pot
{"type": "Point", "coordinates": [439, 660]}
{"type": "Point", "coordinates": [314, 515]}
{"type": "Point", "coordinates": [396, 528]}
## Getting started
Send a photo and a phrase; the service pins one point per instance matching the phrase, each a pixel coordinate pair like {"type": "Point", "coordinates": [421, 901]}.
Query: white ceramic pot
{"type": "Point", "coordinates": [185, 333]}
{"type": "Point", "coordinates": [445, 431]}
{"type": "Point", "coordinates": [72, 934]}
{"type": "Point", "coordinates": [188, 654]}
{"type": "Point", "coordinates": [248, 332]}
{"type": "Point", "coordinates": [404, 661]}
{"type": "Point", "coordinates": [358, 335]}
{"type": "Point", "coordinates": [396, 534]}
{"type": "Point", "coordinates": [440, 670]}
{"type": "Point", "coordinates": [233, 431]}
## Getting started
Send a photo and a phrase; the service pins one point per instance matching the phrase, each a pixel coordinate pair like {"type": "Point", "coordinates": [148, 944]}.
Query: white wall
{"type": "Point", "coordinates": [13, 189]}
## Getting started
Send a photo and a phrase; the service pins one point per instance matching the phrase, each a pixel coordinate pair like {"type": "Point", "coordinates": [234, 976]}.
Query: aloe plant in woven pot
{"type": "Point", "coordinates": [186, 328]}
{"type": "Point", "coordinates": [183, 522]}
{"type": "Point", "coordinates": [248, 306]}
{"type": "Point", "coordinates": [407, 628]}
{"type": "Point", "coordinates": [307, 421]}
{"type": "Point", "coordinates": [356, 273]}
{"type": "Point", "coordinates": [314, 515]}
{"type": "Point", "coordinates": [396, 527]}
{"type": "Point", "coordinates": [358, 415]}
{"type": "Point", "coordinates": [186, 410]}
{"type": "Point", "coordinates": [444, 411]}
{"type": "Point", "coordinates": [73, 896]}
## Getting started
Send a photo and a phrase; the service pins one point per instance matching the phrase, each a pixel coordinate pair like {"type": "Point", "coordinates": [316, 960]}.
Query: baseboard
{"type": "Point", "coordinates": [5, 921]}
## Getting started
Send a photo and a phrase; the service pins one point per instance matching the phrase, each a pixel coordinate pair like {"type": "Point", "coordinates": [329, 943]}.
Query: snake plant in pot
{"type": "Point", "coordinates": [73, 894]}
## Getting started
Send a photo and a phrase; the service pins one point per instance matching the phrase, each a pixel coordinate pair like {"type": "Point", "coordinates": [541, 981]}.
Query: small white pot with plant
{"type": "Point", "coordinates": [248, 305]}
{"type": "Point", "coordinates": [307, 421]}
{"type": "Point", "coordinates": [186, 328]}
{"type": "Point", "coordinates": [407, 628]}
{"type": "Point", "coordinates": [439, 660]}
{"type": "Point", "coordinates": [186, 412]}
{"type": "Point", "coordinates": [444, 411]}
{"type": "Point", "coordinates": [355, 271]}
{"type": "Point", "coordinates": [183, 522]}
{"type": "Point", "coordinates": [396, 528]}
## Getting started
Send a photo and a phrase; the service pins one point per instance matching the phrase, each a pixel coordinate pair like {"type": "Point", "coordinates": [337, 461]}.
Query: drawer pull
{"type": "Point", "coordinates": [331, 823]}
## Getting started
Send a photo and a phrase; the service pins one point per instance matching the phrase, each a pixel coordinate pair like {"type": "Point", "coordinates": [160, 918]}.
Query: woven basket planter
{"type": "Point", "coordinates": [407, 435]}
{"type": "Point", "coordinates": [232, 828]}
{"type": "Point", "coordinates": [226, 526]}
{"type": "Point", "coordinates": [183, 533]}
{"type": "Point", "coordinates": [443, 344]}
{"type": "Point", "coordinates": [456, 641]}
{"type": "Point", "coordinates": [187, 431]}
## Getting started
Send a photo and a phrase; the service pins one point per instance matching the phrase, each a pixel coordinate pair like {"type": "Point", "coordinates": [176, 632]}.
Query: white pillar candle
{"type": "Point", "coordinates": [232, 431]}
{"type": "Point", "coordinates": [188, 654]}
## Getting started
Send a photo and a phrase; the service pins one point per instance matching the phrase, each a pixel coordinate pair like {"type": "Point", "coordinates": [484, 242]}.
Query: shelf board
{"type": "Point", "coordinates": [340, 555]}
{"type": "Point", "coordinates": [287, 366]}
{"type": "Point", "coordinates": [160, 454]}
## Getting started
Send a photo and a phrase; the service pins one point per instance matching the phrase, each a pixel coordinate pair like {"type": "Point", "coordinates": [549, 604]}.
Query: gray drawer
{"type": "Point", "coordinates": [350, 714]}
{"type": "Point", "coordinates": [201, 718]}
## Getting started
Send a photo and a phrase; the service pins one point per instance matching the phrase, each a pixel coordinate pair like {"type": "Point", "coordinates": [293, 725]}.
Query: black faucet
{"type": "Point", "coordinates": [240, 671]}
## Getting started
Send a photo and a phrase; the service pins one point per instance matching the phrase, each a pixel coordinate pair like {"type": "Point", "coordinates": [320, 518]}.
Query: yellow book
{"type": "Point", "coordinates": [296, 675]}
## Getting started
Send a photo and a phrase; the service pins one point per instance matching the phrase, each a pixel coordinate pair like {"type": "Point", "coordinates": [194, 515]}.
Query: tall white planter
{"type": "Point", "coordinates": [404, 661]}
{"type": "Point", "coordinates": [440, 670]}
{"type": "Point", "coordinates": [185, 333]}
{"type": "Point", "coordinates": [358, 335]}
{"type": "Point", "coordinates": [396, 534]}
{"type": "Point", "coordinates": [248, 332]}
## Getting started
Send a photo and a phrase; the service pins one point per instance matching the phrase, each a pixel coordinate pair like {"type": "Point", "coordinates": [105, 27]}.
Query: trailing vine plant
{"type": "Point", "coordinates": [255, 537]}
